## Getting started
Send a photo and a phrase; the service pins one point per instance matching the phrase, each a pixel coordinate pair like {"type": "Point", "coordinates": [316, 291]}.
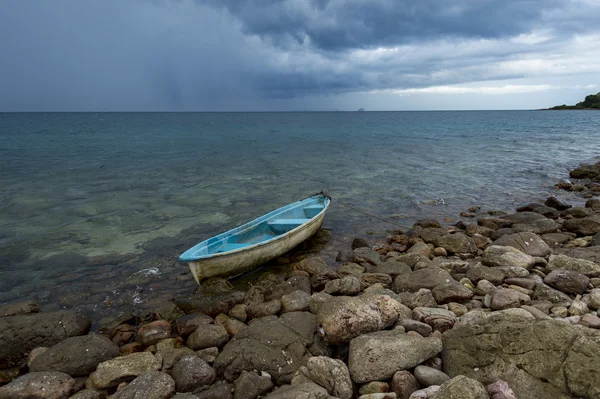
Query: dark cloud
{"type": "Point", "coordinates": [345, 24]}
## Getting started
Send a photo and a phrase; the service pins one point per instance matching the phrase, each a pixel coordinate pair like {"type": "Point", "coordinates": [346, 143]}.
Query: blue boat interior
{"type": "Point", "coordinates": [265, 228]}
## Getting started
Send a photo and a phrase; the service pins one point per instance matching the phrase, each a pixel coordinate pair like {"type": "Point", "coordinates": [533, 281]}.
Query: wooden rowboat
{"type": "Point", "coordinates": [245, 247]}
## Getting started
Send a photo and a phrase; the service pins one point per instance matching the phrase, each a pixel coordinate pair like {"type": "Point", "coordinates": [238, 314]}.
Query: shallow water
{"type": "Point", "coordinates": [95, 207]}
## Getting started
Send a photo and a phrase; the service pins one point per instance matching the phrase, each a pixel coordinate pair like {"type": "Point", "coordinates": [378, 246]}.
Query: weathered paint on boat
{"type": "Point", "coordinates": [252, 244]}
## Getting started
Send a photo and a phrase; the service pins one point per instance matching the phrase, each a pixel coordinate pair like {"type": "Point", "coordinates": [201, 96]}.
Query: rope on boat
{"type": "Point", "coordinates": [361, 211]}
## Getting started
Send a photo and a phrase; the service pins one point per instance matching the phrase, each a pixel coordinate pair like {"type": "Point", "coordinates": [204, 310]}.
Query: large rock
{"type": "Point", "coordinates": [378, 356]}
{"type": "Point", "coordinates": [151, 385]}
{"type": "Point", "coordinates": [478, 272]}
{"type": "Point", "coordinates": [533, 356]}
{"type": "Point", "coordinates": [452, 243]}
{"type": "Point", "coordinates": [568, 281]}
{"type": "Point", "coordinates": [192, 372]}
{"type": "Point", "coordinates": [528, 243]}
{"type": "Point", "coordinates": [331, 374]}
{"type": "Point", "coordinates": [393, 268]}
{"type": "Point", "coordinates": [151, 333]}
{"type": "Point", "coordinates": [76, 356]}
{"type": "Point", "coordinates": [292, 284]}
{"type": "Point", "coordinates": [251, 385]}
{"type": "Point", "coordinates": [505, 298]}
{"type": "Point", "coordinates": [563, 262]}
{"type": "Point", "coordinates": [523, 217]}
{"type": "Point", "coordinates": [557, 204]}
{"type": "Point", "coordinates": [50, 385]}
{"type": "Point", "coordinates": [20, 334]}
{"type": "Point", "coordinates": [404, 384]}
{"type": "Point", "coordinates": [211, 305]}
{"type": "Point", "coordinates": [422, 278]}
{"type": "Point", "coordinates": [462, 387]}
{"type": "Point", "coordinates": [207, 336]}
{"type": "Point", "coordinates": [543, 292]}
{"type": "Point", "coordinates": [545, 210]}
{"type": "Point", "coordinates": [583, 226]}
{"type": "Point", "coordinates": [451, 292]}
{"type": "Point", "coordinates": [366, 255]}
{"type": "Point", "coordinates": [125, 368]}
{"type": "Point", "coordinates": [496, 255]}
{"type": "Point", "coordinates": [343, 318]}
{"type": "Point", "coordinates": [439, 319]}
{"type": "Point", "coordinates": [274, 345]}
{"type": "Point", "coordinates": [14, 309]}
{"type": "Point", "coordinates": [307, 390]}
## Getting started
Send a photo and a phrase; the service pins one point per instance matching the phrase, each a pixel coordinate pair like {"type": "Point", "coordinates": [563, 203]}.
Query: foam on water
{"type": "Point", "coordinates": [89, 200]}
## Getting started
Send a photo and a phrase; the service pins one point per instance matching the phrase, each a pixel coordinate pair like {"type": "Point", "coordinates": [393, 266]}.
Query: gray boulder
{"type": "Point", "coordinates": [462, 387]}
{"type": "Point", "coordinates": [250, 385]}
{"type": "Point", "coordinates": [537, 358]}
{"type": "Point", "coordinates": [378, 356]}
{"type": "Point", "coordinates": [422, 278]}
{"type": "Point", "coordinates": [568, 281]}
{"type": "Point", "coordinates": [151, 385]}
{"type": "Point", "coordinates": [451, 292]}
{"type": "Point", "coordinates": [47, 385]}
{"type": "Point", "coordinates": [343, 318]}
{"type": "Point", "coordinates": [586, 226]}
{"type": "Point", "coordinates": [428, 376]}
{"type": "Point", "coordinates": [274, 345]}
{"type": "Point", "coordinates": [124, 368]}
{"type": "Point", "coordinates": [392, 268]}
{"type": "Point", "coordinates": [208, 335]}
{"type": "Point", "coordinates": [496, 255]}
{"type": "Point", "coordinates": [452, 243]}
{"type": "Point", "coordinates": [557, 204]}
{"type": "Point", "coordinates": [478, 272]}
{"type": "Point", "coordinates": [543, 292]}
{"type": "Point", "coordinates": [20, 334]}
{"type": "Point", "coordinates": [76, 356]}
{"type": "Point", "coordinates": [583, 266]}
{"type": "Point", "coordinates": [528, 243]}
{"type": "Point", "coordinates": [331, 374]}
{"type": "Point", "coordinates": [192, 372]}
{"type": "Point", "coordinates": [523, 217]}
{"type": "Point", "coordinates": [366, 255]}
{"type": "Point", "coordinates": [545, 210]}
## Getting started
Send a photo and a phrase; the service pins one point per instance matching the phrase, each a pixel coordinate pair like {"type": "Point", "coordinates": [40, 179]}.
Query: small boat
{"type": "Point", "coordinates": [252, 244]}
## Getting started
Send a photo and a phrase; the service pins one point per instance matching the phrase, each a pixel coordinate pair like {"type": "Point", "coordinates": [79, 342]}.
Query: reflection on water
{"type": "Point", "coordinates": [91, 202]}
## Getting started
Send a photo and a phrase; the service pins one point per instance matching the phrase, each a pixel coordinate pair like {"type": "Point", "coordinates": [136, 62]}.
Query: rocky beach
{"type": "Point", "coordinates": [499, 305]}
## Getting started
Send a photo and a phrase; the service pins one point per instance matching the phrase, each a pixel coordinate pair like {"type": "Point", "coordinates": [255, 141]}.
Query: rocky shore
{"type": "Point", "coordinates": [498, 306]}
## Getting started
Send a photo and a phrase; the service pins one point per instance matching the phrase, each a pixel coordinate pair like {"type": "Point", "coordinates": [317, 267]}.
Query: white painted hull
{"type": "Point", "coordinates": [242, 260]}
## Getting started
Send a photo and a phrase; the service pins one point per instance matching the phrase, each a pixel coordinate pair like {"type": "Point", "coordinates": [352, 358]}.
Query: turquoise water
{"type": "Point", "coordinates": [95, 207]}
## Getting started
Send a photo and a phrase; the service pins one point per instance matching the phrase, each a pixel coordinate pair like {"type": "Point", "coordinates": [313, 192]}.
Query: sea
{"type": "Point", "coordinates": [96, 207]}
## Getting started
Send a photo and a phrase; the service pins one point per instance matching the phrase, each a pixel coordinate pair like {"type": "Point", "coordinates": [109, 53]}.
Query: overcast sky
{"type": "Point", "coordinates": [262, 55]}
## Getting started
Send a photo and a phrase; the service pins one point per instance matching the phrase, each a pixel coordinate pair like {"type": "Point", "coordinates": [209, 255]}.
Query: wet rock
{"type": "Point", "coordinates": [439, 319]}
{"type": "Point", "coordinates": [125, 368]}
{"type": "Point", "coordinates": [420, 248]}
{"type": "Point", "coordinates": [231, 325]}
{"type": "Point", "coordinates": [451, 292]}
{"type": "Point", "coordinates": [264, 309]}
{"type": "Point", "coordinates": [545, 210]}
{"type": "Point", "coordinates": [19, 308]}
{"type": "Point", "coordinates": [251, 385]}
{"type": "Point", "coordinates": [366, 255]}
{"type": "Point", "coordinates": [479, 272]}
{"type": "Point", "coordinates": [290, 285]}
{"type": "Point", "coordinates": [331, 374]}
{"type": "Point", "coordinates": [427, 223]}
{"type": "Point", "coordinates": [192, 372]}
{"type": "Point", "coordinates": [343, 318]}
{"type": "Point", "coordinates": [528, 243]}
{"type": "Point", "coordinates": [295, 301]}
{"type": "Point", "coordinates": [524, 217]}
{"type": "Point", "coordinates": [378, 356]}
{"type": "Point", "coordinates": [424, 278]}
{"type": "Point", "coordinates": [46, 385]}
{"type": "Point", "coordinates": [173, 355]}
{"type": "Point", "coordinates": [557, 204]}
{"type": "Point", "coordinates": [586, 226]}
{"type": "Point", "coordinates": [150, 385]}
{"type": "Point", "coordinates": [427, 376]}
{"type": "Point", "coordinates": [462, 387]}
{"type": "Point", "coordinates": [347, 285]}
{"type": "Point", "coordinates": [350, 268]}
{"type": "Point", "coordinates": [567, 281]}
{"type": "Point", "coordinates": [593, 204]}
{"type": "Point", "coordinates": [239, 312]}
{"type": "Point", "coordinates": [76, 356]}
{"type": "Point", "coordinates": [308, 390]}
{"type": "Point", "coordinates": [20, 334]}
{"type": "Point", "coordinates": [269, 344]}
{"type": "Point", "coordinates": [586, 267]}
{"type": "Point", "coordinates": [496, 255]}
{"type": "Point", "coordinates": [403, 384]}
{"type": "Point", "coordinates": [360, 242]}
{"type": "Point", "coordinates": [504, 298]}
{"type": "Point", "coordinates": [453, 243]}
{"type": "Point", "coordinates": [210, 305]}
{"type": "Point", "coordinates": [187, 324]}
{"type": "Point", "coordinates": [577, 212]}
{"type": "Point", "coordinates": [206, 336]}
{"type": "Point", "coordinates": [313, 265]}
{"type": "Point", "coordinates": [151, 333]}
{"type": "Point", "coordinates": [556, 239]}
{"type": "Point", "coordinates": [122, 334]}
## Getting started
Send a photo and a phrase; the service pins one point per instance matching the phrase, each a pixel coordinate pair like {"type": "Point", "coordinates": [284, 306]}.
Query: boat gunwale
{"type": "Point", "coordinates": [252, 224]}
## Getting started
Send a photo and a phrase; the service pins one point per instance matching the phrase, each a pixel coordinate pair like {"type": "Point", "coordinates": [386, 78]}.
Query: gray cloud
{"type": "Point", "coordinates": [288, 54]}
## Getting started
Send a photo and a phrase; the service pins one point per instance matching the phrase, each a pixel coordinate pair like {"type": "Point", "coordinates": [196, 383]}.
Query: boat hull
{"type": "Point", "coordinates": [241, 261]}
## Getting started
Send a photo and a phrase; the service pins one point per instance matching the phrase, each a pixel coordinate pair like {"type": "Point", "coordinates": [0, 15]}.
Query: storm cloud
{"type": "Point", "coordinates": [211, 55]}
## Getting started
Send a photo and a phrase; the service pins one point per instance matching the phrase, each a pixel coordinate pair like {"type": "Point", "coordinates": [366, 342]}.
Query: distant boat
{"type": "Point", "coordinates": [241, 249]}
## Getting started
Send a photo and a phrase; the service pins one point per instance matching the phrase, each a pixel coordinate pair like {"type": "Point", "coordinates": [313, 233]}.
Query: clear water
{"type": "Point", "coordinates": [95, 207]}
